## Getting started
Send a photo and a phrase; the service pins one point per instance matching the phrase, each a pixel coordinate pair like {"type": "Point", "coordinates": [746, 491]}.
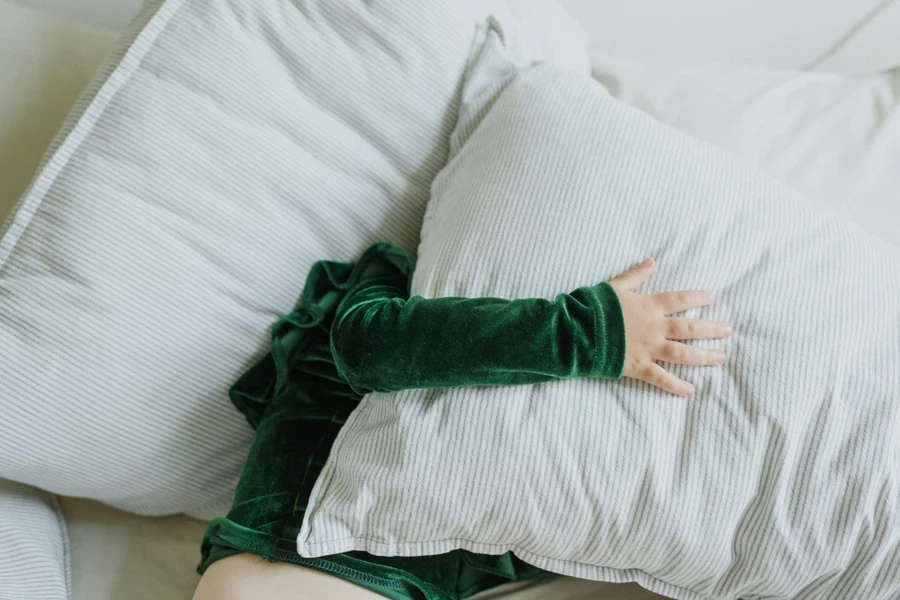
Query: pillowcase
{"type": "Point", "coordinates": [779, 479]}
{"type": "Point", "coordinates": [225, 147]}
{"type": "Point", "coordinates": [835, 139]}
{"type": "Point", "coordinates": [34, 545]}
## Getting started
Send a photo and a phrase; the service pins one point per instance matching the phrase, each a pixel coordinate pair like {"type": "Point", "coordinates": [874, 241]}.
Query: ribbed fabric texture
{"type": "Point", "coordinates": [780, 479]}
{"type": "Point", "coordinates": [34, 545]}
{"type": "Point", "coordinates": [225, 147]}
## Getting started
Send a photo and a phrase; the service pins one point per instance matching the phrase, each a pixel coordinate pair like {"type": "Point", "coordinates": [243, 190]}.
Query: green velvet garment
{"type": "Point", "coordinates": [356, 330]}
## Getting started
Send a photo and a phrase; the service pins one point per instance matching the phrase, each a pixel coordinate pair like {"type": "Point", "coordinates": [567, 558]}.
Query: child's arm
{"type": "Point", "coordinates": [382, 340]}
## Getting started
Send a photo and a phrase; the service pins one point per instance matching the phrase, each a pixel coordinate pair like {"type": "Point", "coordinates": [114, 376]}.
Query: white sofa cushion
{"type": "Point", "coordinates": [780, 479]}
{"type": "Point", "coordinates": [34, 545]}
{"type": "Point", "coordinates": [224, 148]}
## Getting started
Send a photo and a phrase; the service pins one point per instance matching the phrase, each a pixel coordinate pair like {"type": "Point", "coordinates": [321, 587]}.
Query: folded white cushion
{"type": "Point", "coordinates": [225, 147]}
{"type": "Point", "coordinates": [34, 545]}
{"type": "Point", "coordinates": [835, 139]}
{"type": "Point", "coordinates": [780, 479]}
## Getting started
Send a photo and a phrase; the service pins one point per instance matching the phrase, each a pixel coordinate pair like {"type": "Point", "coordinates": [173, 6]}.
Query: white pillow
{"type": "Point", "coordinates": [225, 147]}
{"type": "Point", "coordinates": [34, 545]}
{"type": "Point", "coordinates": [835, 139]}
{"type": "Point", "coordinates": [779, 480]}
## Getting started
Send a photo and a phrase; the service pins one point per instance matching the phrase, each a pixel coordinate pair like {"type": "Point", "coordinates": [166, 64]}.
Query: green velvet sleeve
{"type": "Point", "coordinates": [384, 341]}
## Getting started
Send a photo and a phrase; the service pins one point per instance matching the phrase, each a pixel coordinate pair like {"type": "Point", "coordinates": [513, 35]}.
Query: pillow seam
{"type": "Point", "coordinates": [33, 197]}
{"type": "Point", "coordinates": [66, 543]}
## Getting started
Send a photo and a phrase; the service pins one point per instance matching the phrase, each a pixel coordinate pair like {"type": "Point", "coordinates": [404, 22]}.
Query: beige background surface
{"type": "Point", "coordinates": [44, 64]}
{"type": "Point", "coordinates": [836, 35]}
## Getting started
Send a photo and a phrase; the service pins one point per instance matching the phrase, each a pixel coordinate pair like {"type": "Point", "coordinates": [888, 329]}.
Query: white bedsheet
{"type": "Point", "coordinates": [833, 138]}
{"type": "Point", "coordinates": [117, 555]}
{"type": "Point", "coordinates": [829, 35]}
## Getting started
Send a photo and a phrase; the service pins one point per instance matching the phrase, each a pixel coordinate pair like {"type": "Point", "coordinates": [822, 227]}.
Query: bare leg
{"type": "Point", "coordinates": [249, 577]}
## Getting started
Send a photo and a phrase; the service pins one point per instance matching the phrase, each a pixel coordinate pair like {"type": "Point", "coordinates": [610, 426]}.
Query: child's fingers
{"type": "Point", "coordinates": [682, 354]}
{"type": "Point", "coordinates": [696, 329]}
{"type": "Point", "coordinates": [634, 277]}
{"type": "Point", "coordinates": [676, 302]}
{"type": "Point", "coordinates": [659, 377]}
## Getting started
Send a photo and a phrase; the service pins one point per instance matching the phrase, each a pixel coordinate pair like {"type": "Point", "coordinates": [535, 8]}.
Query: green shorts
{"type": "Point", "coordinates": [297, 402]}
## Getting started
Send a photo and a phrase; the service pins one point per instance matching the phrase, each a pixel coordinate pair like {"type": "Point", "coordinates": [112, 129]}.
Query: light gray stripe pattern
{"type": "Point", "coordinates": [781, 479]}
{"type": "Point", "coordinates": [225, 147]}
{"type": "Point", "coordinates": [34, 545]}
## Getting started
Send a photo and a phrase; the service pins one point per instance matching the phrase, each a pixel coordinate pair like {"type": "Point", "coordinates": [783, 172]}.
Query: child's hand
{"type": "Point", "coordinates": [649, 331]}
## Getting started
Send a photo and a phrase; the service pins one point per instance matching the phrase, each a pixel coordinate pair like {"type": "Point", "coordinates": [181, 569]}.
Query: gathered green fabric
{"type": "Point", "coordinates": [356, 330]}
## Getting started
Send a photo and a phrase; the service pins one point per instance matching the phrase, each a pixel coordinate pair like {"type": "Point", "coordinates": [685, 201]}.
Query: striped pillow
{"type": "Point", "coordinates": [781, 479]}
{"type": "Point", "coordinates": [225, 147]}
{"type": "Point", "coordinates": [34, 545]}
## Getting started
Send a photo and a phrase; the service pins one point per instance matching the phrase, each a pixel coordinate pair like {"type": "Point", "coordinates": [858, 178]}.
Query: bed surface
{"type": "Point", "coordinates": [845, 37]}
{"type": "Point", "coordinates": [116, 555]}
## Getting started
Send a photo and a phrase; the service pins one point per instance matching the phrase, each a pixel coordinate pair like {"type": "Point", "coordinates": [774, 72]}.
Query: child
{"type": "Point", "coordinates": [356, 331]}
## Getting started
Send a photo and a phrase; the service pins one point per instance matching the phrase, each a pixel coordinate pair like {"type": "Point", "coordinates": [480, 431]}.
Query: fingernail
{"type": "Point", "coordinates": [719, 357]}
{"type": "Point", "coordinates": [689, 390]}
{"type": "Point", "coordinates": [648, 262]}
{"type": "Point", "coordinates": [729, 330]}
